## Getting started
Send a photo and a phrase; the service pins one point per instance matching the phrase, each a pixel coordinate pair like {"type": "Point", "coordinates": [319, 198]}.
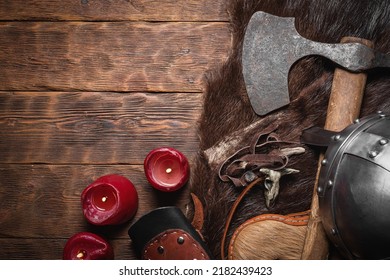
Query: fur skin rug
{"type": "Point", "coordinates": [228, 121]}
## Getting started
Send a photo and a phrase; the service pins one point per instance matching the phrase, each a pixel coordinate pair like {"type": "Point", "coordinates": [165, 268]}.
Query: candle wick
{"type": "Point", "coordinates": [104, 198]}
{"type": "Point", "coordinates": [168, 170]}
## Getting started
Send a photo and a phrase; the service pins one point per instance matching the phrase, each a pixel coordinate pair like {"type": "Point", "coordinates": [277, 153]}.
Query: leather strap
{"type": "Point", "coordinates": [264, 150]}
{"type": "Point", "coordinates": [232, 211]}
{"type": "Point", "coordinates": [174, 244]}
{"type": "Point", "coordinates": [198, 219]}
{"type": "Point", "coordinates": [316, 136]}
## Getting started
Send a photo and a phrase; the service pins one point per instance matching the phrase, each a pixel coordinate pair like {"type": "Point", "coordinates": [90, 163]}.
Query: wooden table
{"type": "Point", "coordinates": [88, 88]}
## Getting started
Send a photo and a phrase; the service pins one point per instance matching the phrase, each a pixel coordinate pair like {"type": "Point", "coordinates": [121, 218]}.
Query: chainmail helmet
{"type": "Point", "coordinates": [354, 187]}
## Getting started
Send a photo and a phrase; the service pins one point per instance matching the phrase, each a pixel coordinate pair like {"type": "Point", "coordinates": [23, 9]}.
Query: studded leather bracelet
{"type": "Point", "coordinates": [166, 234]}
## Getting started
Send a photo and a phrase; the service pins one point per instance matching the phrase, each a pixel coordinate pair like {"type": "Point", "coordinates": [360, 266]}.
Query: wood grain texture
{"type": "Point", "coordinates": [51, 249]}
{"type": "Point", "coordinates": [316, 245]}
{"type": "Point", "coordinates": [103, 10]}
{"type": "Point", "coordinates": [43, 201]}
{"type": "Point", "coordinates": [88, 88]}
{"type": "Point", "coordinates": [109, 56]}
{"type": "Point", "coordinates": [95, 127]}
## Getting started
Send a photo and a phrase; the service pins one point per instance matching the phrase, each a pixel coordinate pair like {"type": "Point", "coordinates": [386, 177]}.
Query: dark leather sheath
{"type": "Point", "coordinates": [166, 234]}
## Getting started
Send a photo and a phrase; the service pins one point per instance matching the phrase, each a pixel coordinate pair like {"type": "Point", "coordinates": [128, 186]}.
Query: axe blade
{"type": "Point", "coordinates": [272, 45]}
{"type": "Point", "coordinates": [266, 61]}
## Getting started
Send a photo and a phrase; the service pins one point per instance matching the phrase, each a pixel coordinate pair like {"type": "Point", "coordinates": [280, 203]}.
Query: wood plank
{"type": "Point", "coordinates": [109, 56]}
{"type": "Point", "coordinates": [51, 249]}
{"type": "Point", "coordinates": [95, 127]}
{"type": "Point", "coordinates": [103, 10]}
{"type": "Point", "coordinates": [43, 201]}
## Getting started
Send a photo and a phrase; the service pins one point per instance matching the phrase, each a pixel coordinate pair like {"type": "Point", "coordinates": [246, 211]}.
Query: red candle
{"type": "Point", "coordinates": [87, 246]}
{"type": "Point", "coordinates": [110, 200]}
{"type": "Point", "coordinates": [166, 169]}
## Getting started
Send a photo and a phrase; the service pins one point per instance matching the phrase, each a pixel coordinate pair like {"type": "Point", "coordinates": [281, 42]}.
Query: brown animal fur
{"type": "Point", "coordinates": [256, 242]}
{"type": "Point", "coordinates": [227, 109]}
{"type": "Point", "coordinates": [259, 239]}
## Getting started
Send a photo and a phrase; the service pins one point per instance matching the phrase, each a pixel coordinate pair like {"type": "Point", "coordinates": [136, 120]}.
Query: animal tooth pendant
{"type": "Point", "coordinates": [272, 183]}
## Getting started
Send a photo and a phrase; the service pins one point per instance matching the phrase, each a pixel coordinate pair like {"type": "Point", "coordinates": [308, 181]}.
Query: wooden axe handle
{"type": "Point", "coordinates": [343, 108]}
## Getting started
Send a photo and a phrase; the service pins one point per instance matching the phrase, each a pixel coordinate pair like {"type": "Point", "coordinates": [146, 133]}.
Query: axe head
{"type": "Point", "coordinates": [272, 45]}
{"type": "Point", "coordinates": [270, 48]}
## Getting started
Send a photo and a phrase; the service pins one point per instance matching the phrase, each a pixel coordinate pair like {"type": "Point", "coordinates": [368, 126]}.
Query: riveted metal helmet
{"type": "Point", "coordinates": [354, 187]}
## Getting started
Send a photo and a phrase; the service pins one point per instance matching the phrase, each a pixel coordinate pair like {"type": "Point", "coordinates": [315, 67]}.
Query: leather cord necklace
{"type": "Point", "coordinates": [242, 168]}
{"type": "Point", "coordinates": [233, 210]}
{"type": "Point", "coordinates": [265, 151]}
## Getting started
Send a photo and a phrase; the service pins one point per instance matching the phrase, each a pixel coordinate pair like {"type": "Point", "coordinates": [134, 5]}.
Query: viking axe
{"type": "Point", "coordinates": [271, 46]}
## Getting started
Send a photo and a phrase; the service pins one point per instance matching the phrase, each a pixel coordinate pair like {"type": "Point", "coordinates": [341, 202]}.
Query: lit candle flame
{"type": "Point", "coordinates": [80, 255]}
{"type": "Point", "coordinates": [104, 198]}
{"type": "Point", "coordinates": [168, 170]}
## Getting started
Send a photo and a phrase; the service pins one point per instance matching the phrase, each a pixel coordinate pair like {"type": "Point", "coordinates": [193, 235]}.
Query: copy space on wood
{"type": "Point", "coordinates": [110, 56]}
{"type": "Point", "coordinates": [103, 10]}
{"type": "Point", "coordinates": [95, 127]}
